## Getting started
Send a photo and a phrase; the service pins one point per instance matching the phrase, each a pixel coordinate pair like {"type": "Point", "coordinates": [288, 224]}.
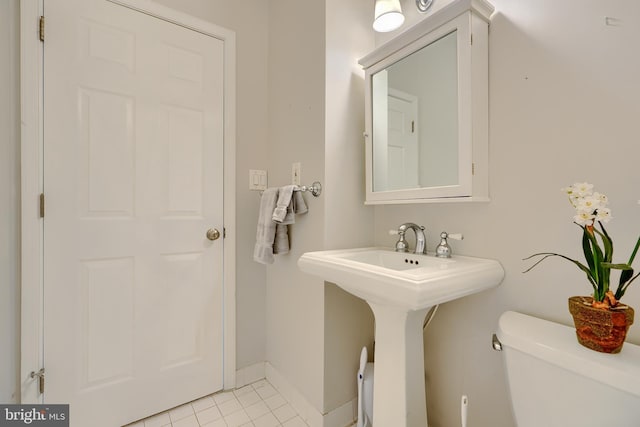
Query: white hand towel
{"type": "Point", "coordinates": [295, 205]}
{"type": "Point", "coordinates": [299, 205]}
{"type": "Point", "coordinates": [266, 230]}
{"type": "Point", "coordinates": [281, 242]}
{"type": "Point", "coordinates": [283, 213]}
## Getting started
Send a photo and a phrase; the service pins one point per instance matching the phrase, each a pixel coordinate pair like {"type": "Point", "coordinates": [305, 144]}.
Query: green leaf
{"type": "Point", "coordinates": [616, 266]}
{"type": "Point", "coordinates": [606, 240]}
{"type": "Point", "coordinates": [581, 266]}
{"type": "Point", "coordinates": [626, 276]}
{"type": "Point", "coordinates": [608, 256]}
{"type": "Point", "coordinates": [623, 288]}
{"type": "Point", "coordinates": [586, 248]}
{"type": "Point", "coordinates": [635, 250]}
{"type": "Point", "coordinates": [598, 274]}
{"type": "Point", "coordinates": [602, 273]}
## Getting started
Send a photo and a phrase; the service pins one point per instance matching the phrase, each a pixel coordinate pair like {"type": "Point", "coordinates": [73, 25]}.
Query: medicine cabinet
{"type": "Point", "coordinates": [427, 110]}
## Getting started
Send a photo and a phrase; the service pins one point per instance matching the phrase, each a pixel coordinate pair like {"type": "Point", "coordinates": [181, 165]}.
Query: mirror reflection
{"type": "Point", "coordinates": [415, 119]}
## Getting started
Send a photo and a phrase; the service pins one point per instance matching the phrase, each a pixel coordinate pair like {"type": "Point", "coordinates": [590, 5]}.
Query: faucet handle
{"type": "Point", "coordinates": [443, 250]}
{"type": "Point", "coordinates": [401, 244]}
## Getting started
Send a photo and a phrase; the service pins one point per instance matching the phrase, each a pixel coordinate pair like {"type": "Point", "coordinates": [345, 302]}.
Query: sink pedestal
{"type": "Point", "coordinates": [400, 289]}
{"type": "Point", "coordinates": [399, 386]}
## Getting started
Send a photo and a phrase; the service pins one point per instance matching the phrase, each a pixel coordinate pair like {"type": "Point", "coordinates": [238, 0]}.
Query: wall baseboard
{"type": "Point", "coordinates": [250, 374]}
{"type": "Point", "coordinates": [339, 417]}
{"type": "Point", "coordinates": [342, 416]}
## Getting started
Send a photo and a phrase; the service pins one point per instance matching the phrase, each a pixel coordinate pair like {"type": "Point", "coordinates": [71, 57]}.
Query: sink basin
{"type": "Point", "coordinates": [383, 276]}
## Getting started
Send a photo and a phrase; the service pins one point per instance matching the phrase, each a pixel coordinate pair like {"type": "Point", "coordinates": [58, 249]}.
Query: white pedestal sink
{"type": "Point", "coordinates": [400, 288]}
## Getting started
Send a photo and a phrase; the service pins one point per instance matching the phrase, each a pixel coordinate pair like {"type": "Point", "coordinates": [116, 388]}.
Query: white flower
{"type": "Point", "coordinates": [582, 189]}
{"type": "Point", "coordinates": [573, 198]}
{"type": "Point", "coordinates": [604, 200]}
{"type": "Point", "coordinates": [584, 218]}
{"type": "Point", "coordinates": [603, 215]}
{"type": "Point", "coordinates": [588, 204]}
{"type": "Point", "coordinates": [577, 192]}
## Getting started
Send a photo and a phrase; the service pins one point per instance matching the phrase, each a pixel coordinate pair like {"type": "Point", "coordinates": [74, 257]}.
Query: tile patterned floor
{"type": "Point", "coordinates": [255, 405]}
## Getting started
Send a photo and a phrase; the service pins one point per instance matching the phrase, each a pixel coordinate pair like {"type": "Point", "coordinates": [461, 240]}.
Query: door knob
{"type": "Point", "coordinates": [213, 234]}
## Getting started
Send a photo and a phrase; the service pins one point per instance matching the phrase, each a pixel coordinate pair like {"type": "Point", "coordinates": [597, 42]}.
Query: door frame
{"type": "Point", "coordinates": [32, 139]}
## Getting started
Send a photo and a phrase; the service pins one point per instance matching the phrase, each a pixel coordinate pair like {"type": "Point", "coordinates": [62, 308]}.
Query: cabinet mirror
{"type": "Point", "coordinates": [427, 110]}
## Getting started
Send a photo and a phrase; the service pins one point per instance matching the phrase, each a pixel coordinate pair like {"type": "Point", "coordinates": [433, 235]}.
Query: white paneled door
{"type": "Point", "coordinates": [402, 144]}
{"type": "Point", "coordinates": [133, 179]}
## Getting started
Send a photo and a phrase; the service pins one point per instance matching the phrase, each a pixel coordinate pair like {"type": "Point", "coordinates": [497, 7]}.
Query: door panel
{"type": "Point", "coordinates": [403, 155]}
{"type": "Point", "coordinates": [133, 157]}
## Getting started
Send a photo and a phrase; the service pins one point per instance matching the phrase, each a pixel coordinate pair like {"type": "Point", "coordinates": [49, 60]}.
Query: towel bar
{"type": "Point", "coordinates": [315, 189]}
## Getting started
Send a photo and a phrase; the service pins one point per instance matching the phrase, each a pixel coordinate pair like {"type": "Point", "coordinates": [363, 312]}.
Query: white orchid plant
{"type": "Point", "coordinates": [591, 213]}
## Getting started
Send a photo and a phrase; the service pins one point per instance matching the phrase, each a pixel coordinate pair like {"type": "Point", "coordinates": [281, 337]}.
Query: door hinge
{"type": "Point", "coordinates": [224, 232]}
{"type": "Point", "coordinates": [471, 39]}
{"type": "Point", "coordinates": [40, 376]}
{"type": "Point", "coordinates": [413, 126]}
{"type": "Point", "coordinates": [473, 168]}
{"type": "Point", "coordinates": [41, 205]}
{"type": "Point", "coordinates": [41, 28]}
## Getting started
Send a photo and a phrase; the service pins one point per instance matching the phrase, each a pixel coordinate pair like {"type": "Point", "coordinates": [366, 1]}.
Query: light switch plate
{"type": "Point", "coordinates": [257, 180]}
{"type": "Point", "coordinates": [296, 171]}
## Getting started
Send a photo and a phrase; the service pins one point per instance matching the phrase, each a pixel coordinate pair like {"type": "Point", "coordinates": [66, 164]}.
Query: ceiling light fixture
{"type": "Point", "coordinates": [388, 15]}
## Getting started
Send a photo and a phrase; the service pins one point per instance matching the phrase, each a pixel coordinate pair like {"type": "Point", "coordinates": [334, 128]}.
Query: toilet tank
{"type": "Point", "coordinates": [556, 382]}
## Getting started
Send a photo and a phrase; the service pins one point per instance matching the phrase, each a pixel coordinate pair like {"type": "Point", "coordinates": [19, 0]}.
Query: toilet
{"type": "Point", "coordinates": [555, 382]}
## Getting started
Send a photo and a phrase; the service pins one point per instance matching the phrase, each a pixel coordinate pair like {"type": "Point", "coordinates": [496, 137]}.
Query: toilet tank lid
{"type": "Point", "coordinates": [557, 344]}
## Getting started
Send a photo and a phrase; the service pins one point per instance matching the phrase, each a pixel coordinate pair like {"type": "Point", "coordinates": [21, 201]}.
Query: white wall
{"type": "Point", "coordinates": [295, 301]}
{"type": "Point", "coordinates": [316, 91]}
{"type": "Point", "coordinates": [563, 107]}
{"type": "Point", "coordinates": [9, 201]}
{"type": "Point", "coordinates": [249, 19]}
{"type": "Point", "coordinates": [348, 223]}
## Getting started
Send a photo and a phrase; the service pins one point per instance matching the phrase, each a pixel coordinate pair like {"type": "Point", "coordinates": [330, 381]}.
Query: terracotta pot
{"type": "Point", "coordinates": [602, 330]}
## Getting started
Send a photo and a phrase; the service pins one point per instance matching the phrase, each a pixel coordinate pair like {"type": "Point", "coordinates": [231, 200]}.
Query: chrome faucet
{"type": "Point", "coordinates": [401, 244]}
